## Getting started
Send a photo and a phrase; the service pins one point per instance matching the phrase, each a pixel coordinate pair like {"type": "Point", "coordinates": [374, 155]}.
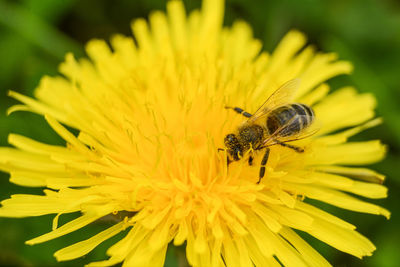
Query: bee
{"type": "Point", "coordinates": [277, 122]}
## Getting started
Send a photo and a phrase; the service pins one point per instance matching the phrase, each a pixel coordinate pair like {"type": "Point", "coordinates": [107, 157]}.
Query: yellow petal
{"type": "Point", "coordinates": [318, 213]}
{"type": "Point", "coordinates": [36, 106]}
{"type": "Point", "coordinates": [346, 240]}
{"type": "Point", "coordinates": [344, 108]}
{"type": "Point", "coordinates": [349, 185]}
{"type": "Point", "coordinates": [84, 247]}
{"type": "Point", "coordinates": [338, 199]}
{"type": "Point", "coordinates": [362, 174]}
{"type": "Point", "coordinates": [31, 205]}
{"type": "Point", "coordinates": [310, 255]}
{"type": "Point", "coordinates": [351, 153]}
{"type": "Point", "coordinates": [66, 228]}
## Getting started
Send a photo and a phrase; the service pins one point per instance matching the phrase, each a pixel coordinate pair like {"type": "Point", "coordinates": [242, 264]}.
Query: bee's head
{"type": "Point", "coordinates": [234, 148]}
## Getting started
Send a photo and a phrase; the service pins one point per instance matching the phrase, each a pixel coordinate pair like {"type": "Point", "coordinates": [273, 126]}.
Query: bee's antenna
{"type": "Point", "coordinates": [240, 111]}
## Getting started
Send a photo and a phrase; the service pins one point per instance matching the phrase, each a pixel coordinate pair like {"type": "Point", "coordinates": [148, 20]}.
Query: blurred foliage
{"type": "Point", "coordinates": [36, 34]}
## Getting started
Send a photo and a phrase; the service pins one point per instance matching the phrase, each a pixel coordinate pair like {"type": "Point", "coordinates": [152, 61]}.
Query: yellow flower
{"type": "Point", "coordinates": [151, 117]}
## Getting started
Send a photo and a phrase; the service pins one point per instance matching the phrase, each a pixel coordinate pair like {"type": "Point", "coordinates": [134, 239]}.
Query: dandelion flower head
{"type": "Point", "coordinates": [150, 115]}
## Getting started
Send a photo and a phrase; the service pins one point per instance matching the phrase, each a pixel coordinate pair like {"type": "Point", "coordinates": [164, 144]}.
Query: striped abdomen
{"type": "Point", "coordinates": [290, 119]}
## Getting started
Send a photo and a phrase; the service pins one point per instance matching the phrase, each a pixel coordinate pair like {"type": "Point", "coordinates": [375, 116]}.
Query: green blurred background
{"type": "Point", "coordinates": [36, 34]}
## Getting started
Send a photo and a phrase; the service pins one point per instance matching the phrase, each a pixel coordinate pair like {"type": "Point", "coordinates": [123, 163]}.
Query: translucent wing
{"type": "Point", "coordinates": [281, 96]}
{"type": "Point", "coordinates": [288, 133]}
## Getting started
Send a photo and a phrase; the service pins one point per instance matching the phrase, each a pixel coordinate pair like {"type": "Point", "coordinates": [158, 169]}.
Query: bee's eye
{"type": "Point", "coordinates": [229, 138]}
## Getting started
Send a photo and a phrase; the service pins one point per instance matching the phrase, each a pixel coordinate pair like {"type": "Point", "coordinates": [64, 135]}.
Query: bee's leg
{"type": "Point", "coordinates": [240, 111]}
{"type": "Point", "coordinates": [295, 148]}
{"type": "Point", "coordinates": [263, 163]}
{"type": "Point", "coordinates": [251, 160]}
{"type": "Point", "coordinates": [228, 161]}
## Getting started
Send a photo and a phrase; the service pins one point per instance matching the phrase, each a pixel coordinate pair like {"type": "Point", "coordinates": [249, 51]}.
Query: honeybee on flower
{"type": "Point", "coordinates": [276, 122]}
